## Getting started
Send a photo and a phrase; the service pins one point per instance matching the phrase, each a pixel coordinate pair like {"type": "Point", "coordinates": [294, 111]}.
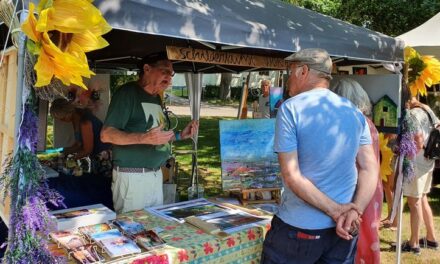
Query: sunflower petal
{"type": "Point", "coordinates": [28, 26]}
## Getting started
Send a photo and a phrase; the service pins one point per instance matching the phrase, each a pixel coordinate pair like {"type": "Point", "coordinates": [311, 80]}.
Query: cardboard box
{"type": "Point", "coordinates": [73, 218]}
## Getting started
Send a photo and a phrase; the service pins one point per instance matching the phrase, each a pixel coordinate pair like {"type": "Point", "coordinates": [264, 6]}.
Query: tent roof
{"type": "Point", "coordinates": [257, 27]}
{"type": "Point", "coordinates": [425, 38]}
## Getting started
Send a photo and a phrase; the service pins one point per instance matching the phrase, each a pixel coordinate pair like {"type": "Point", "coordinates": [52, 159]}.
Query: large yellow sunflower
{"type": "Point", "coordinates": [387, 157]}
{"type": "Point", "coordinates": [423, 71]}
{"type": "Point", "coordinates": [64, 32]}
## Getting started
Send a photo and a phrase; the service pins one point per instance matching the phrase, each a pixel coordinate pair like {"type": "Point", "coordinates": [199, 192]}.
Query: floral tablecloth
{"type": "Point", "coordinates": [187, 244]}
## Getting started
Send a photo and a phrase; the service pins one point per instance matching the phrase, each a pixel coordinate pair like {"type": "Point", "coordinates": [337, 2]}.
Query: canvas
{"type": "Point", "coordinates": [247, 157]}
{"type": "Point", "coordinates": [275, 100]}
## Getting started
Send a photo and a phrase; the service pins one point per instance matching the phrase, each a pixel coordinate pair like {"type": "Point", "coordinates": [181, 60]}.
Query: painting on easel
{"type": "Point", "coordinates": [247, 157]}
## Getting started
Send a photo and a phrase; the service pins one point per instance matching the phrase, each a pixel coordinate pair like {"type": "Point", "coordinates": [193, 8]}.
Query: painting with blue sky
{"type": "Point", "coordinates": [247, 156]}
{"type": "Point", "coordinates": [247, 140]}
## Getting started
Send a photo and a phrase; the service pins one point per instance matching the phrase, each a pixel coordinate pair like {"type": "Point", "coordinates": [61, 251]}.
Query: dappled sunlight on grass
{"type": "Point", "coordinates": [388, 236]}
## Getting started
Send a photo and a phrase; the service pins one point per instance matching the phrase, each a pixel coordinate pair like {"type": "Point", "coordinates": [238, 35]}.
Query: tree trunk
{"type": "Point", "coordinates": [225, 86]}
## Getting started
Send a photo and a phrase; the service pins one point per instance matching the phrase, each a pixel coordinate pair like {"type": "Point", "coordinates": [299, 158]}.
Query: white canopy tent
{"type": "Point", "coordinates": [425, 38]}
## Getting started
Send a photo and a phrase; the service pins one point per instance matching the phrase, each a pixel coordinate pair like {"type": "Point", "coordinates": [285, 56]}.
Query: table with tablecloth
{"type": "Point", "coordinates": [188, 244]}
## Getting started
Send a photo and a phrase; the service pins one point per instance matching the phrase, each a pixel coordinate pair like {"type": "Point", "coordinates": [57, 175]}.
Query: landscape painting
{"type": "Point", "coordinates": [247, 157]}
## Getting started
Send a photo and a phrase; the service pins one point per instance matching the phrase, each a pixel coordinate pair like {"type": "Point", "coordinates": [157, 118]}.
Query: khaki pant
{"type": "Point", "coordinates": [135, 191]}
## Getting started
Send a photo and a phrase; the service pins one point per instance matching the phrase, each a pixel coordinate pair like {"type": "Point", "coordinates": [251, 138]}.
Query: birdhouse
{"type": "Point", "coordinates": [385, 112]}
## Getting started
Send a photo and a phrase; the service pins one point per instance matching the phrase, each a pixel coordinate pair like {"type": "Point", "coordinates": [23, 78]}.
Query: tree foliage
{"type": "Point", "coordinates": [391, 17]}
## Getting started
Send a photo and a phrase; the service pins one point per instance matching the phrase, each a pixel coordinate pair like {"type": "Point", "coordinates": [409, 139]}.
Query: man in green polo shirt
{"type": "Point", "coordinates": [135, 126]}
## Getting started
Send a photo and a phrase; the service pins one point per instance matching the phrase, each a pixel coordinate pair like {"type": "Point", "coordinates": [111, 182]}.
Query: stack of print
{"type": "Point", "coordinates": [77, 247]}
{"type": "Point", "coordinates": [120, 238]}
{"type": "Point", "coordinates": [73, 218]}
{"type": "Point", "coordinates": [226, 219]}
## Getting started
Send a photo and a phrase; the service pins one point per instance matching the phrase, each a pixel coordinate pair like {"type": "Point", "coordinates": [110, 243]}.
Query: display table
{"type": "Point", "coordinates": [187, 244]}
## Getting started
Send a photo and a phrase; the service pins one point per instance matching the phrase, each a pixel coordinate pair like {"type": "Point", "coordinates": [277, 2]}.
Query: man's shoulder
{"type": "Point", "coordinates": [129, 86]}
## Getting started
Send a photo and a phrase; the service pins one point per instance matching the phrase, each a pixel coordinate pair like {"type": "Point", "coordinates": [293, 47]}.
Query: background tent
{"type": "Point", "coordinates": [425, 38]}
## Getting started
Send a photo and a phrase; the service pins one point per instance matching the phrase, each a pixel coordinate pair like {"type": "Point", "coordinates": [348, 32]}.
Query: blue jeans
{"type": "Point", "coordinates": [288, 244]}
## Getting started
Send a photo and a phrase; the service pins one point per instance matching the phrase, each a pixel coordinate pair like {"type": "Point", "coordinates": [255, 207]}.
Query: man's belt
{"type": "Point", "coordinates": [136, 170]}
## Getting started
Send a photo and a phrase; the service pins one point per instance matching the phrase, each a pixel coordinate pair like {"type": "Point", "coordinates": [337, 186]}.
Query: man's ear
{"type": "Point", "coordinates": [304, 69]}
{"type": "Point", "coordinates": [146, 68]}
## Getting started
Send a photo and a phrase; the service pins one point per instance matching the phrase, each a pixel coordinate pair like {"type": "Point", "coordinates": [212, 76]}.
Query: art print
{"type": "Point", "coordinates": [129, 227]}
{"type": "Point", "coordinates": [113, 233]}
{"type": "Point", "coordinates": [92, 229]}
{"type": "Point", "coordinates": [71, 242]}
{"type": "Point", "coordinates": [148, 239]}
{"type": "Point", "coordinates": [86, 254]}
{"type": "Point", "coordinates": [179, 211]}
{"type": "Point", "coordinates": [119, 246]}
{"type": "Point", "coordinates": [72, 214]}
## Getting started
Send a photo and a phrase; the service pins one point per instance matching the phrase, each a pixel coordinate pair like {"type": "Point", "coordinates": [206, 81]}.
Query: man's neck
{"type": "Point", "coordinates": [320, 83]}
{"type": "Point", "coordinates": [147, 87]}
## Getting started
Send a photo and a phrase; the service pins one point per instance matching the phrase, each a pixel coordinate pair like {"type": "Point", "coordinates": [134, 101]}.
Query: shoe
{"type": "Point", "coordinates": [425, 243]}
{"type": "Point", "coordinates": [407, 248]}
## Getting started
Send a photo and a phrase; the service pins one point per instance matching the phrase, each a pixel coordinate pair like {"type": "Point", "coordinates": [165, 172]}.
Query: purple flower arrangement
{"type": "Point", "coordinates": [407, 147]}
{"type": "Point", "coordinates": [24, 181]}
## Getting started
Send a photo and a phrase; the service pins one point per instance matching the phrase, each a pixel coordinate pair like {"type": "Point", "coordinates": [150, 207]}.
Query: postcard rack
{"type": "Point", "coordinates": [249, 196]}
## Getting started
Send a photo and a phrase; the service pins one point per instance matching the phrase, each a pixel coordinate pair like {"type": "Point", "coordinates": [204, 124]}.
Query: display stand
{"type": "Point", "coordinates": [246, 194]}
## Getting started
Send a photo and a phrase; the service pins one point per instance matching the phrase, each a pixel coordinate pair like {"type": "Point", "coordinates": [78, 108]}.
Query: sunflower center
{"type": "Point", "coordinates": [61, 40]}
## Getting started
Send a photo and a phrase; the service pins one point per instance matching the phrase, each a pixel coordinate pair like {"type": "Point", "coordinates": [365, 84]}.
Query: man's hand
{"type": "Point", "coordinates": [342, 209]}
{"type": "Point", "coordinates": [156, 136]}
{"type": "Point", "coordinates": [347, 225]}
{"type": "Point", "coordinates": [190, 129]}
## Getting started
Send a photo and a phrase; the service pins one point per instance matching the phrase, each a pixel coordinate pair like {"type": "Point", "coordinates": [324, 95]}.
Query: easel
{"type": "Point", "coordinates": [246, 193]}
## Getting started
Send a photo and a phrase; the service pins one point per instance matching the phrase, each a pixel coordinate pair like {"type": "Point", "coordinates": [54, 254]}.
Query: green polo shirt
{"type": "Point", "coordinates": [134, 110]}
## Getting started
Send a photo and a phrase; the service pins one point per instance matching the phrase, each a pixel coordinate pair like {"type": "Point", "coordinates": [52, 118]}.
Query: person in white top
{"type": "Point", "coordinates": [417, 189]}
{"type": "Point", "coordinates": [263, 100]}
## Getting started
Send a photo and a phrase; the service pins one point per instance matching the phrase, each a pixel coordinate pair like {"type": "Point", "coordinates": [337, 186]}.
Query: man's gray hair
{"type": "Point", "coordinates": [354, 92]}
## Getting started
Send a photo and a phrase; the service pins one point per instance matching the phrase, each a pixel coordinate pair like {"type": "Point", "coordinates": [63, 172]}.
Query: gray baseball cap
{"type": "Point", "coordinates": [317, 59]}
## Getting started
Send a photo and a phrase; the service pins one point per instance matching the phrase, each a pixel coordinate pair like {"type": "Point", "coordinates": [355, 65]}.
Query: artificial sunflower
{"type": "Point", "coordinates": [387, 157]}
{"type": "Point", "coordinates": [423, 71]}
{"type": "Point", "coordinates": [64, 32]}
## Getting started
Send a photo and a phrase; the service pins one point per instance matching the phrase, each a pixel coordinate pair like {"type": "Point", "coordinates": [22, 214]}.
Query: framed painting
{"type": "Point", "coordinates": [360, 70]}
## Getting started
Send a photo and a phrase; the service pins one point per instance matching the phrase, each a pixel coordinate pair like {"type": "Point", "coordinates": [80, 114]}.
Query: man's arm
{"type": "Point", "coordinates": [306, 190]}
{"type": "Point", "coordinates": [368, 175]}
{"type": "Point", "coordinates": [155, 136]}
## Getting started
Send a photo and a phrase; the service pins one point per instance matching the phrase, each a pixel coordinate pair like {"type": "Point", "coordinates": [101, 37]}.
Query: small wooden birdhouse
{"type": "Point", "coordinates": [385, 112]}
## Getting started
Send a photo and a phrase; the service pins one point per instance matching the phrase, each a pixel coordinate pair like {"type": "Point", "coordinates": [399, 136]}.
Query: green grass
{"type": "Point", "coordinates": [210, 177]}
{"type": "Point", "coordinates": [387, 236]}
{"type": "Point", "coordinates": [208, 157]}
